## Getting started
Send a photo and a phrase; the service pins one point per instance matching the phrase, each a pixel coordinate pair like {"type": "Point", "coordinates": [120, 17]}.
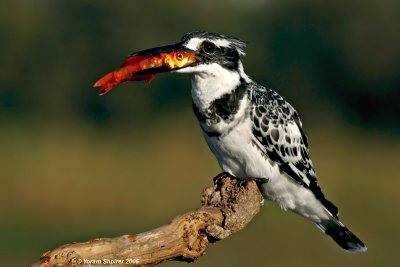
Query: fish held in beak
{"type": "Point", "coordinates": [144, 66]}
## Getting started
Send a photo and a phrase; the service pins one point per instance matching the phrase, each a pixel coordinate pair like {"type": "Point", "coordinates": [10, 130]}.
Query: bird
{"type": "Point", "coordinates": [253, 132]}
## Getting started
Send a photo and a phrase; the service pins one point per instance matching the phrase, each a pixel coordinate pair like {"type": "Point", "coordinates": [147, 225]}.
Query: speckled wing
{"type": "Point", "coordinates": [278, 133]}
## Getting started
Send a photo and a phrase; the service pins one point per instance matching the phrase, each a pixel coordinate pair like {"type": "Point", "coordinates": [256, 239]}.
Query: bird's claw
{"type": "Point", "coordinates": [220, 177]}
{"type": "Point", "coordinates": [240, 182]}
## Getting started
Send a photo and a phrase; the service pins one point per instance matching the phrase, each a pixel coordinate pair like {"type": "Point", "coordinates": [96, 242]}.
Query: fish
{"type": "Point", "coordinates": [139, 67]}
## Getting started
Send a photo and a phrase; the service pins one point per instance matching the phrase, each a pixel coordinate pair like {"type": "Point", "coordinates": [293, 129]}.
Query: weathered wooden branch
{"type": "Point", "coordinates": [226, 208]}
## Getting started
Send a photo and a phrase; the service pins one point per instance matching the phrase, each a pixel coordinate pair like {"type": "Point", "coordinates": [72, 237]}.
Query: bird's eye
{"type": "Point", "coordinates": [179, 56]}
{"type": "Point", "coordinates": [208, 47]}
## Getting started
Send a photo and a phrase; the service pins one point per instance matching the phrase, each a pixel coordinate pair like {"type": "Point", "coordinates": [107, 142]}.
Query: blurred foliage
{"type": "Point", "coordinates": [75, 166]}
{"type": "Point", "coordinates": [339, 54]}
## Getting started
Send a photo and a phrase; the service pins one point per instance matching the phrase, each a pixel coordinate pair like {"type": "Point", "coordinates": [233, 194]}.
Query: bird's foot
{"type": "Point", "coordinates": [220, 177]}
{"type": "Point", "coordinates": [218, 180]}
{"type": "Point", "coordinates": [259, 181]}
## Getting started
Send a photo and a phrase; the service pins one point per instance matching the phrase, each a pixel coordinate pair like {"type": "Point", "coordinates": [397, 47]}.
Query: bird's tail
{"type": "Point", "coordinates": [342, 235]}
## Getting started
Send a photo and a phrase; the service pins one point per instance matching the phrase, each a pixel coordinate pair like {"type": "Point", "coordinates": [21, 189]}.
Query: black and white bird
{"type": "Point", "coordinates": [254, 132]}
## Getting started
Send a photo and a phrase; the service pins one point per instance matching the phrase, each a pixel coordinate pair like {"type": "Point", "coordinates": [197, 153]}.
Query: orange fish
{"type": "Point", "coordinates": [145, 65]}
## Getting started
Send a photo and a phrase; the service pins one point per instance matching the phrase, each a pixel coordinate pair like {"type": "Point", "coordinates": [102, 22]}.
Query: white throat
{"type": "Point", "coordinates": [212, 83]}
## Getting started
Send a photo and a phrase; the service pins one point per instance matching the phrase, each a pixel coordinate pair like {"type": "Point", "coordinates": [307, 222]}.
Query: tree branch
{"type": "Point", "coordinates": [226, 209]}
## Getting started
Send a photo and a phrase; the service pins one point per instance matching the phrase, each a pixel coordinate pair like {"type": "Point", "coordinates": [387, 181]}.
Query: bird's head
{"type": "Point", "coordinates": [213, 50]}
{"type": "Point", "coordinates": [197, 52]}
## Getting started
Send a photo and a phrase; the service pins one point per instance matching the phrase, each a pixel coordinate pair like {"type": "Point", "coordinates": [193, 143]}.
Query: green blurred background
{"type": "Point", "coordinates": [75, 166]}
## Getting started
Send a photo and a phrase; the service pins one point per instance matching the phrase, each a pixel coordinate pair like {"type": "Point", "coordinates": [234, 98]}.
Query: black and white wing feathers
{"type": "Point", "coordinates": [278, 133]}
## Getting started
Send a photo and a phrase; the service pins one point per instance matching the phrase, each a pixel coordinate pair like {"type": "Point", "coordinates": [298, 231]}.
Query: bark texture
{"type": "Point", "coordinates": [226, 209]}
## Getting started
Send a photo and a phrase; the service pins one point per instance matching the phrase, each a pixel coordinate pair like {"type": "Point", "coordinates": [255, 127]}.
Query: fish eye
{"type": "Point", "coordinates": [208, 47]}
{"type": "Point", "coordinates": [179, 56]}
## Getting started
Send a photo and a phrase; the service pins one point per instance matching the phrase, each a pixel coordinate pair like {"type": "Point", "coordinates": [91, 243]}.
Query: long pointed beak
{"type": "Point", "coordinates": [144, 65]}
{"type": "Point", "coordinates": [162, 49]}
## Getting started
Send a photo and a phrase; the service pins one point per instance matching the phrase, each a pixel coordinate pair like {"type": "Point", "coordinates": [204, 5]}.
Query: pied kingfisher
{"type": "Point", "coordinates": [253, 132]}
